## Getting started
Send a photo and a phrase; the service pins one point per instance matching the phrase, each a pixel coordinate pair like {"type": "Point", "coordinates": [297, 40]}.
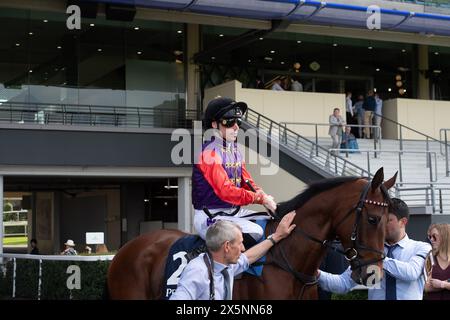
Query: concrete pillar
{"type": "Point", "coordinates": [193, 71]}
{"type": "Point", "coordinates": [1, 219]}
{"type": "Point", "coordinates": [423, 83]}
{"type": "Point", "coordinates": [184, 205]}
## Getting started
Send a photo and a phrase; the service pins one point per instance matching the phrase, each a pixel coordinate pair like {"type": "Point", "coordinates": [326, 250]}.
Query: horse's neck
{"type": "Point", "coordinates": [303, 254]}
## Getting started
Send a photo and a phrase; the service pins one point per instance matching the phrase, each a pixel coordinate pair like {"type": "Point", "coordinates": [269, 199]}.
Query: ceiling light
{"type": "Point", "coordinates": [272, 51]}
{"type": "Point", "coordinates": [30, 71]}
{"type": "Point", "coordinates": [249, 60]}
{"type": "Point", "coordinates": [436, 53]}
{"type": "Point", "coordinates": [139, 52]}
{"type": "Point", "coordinates": [220, 35]}
{"type": "Point", "coordinates": [346, 67]}
{"type": "Point", "coordinates": [213, 58]}
{"type": "Point", "coordinates": [403, 50]}
{"type": "Point", "coordinates": [282, 62]}
{"type": "Point", "coordinates": [437, 71]}
{"type": "Point", "coordinates": [299, 41]}
{"type": "Point", "coordinates": [377, 69]}
{"type": "Point", "coordinates": [389, 89]}
{"type": "Point", "coordinates": [374, 89]}
{"type": "Point", "coordinates": [99, 50]}
{"type": "Point", "coordinates": [136, 28]}
{"type": "Point", "coordinates": [261, 38]}
{"type": "Point", "coordinates": [58, 47]}
{"type": "Point", "coordinates": [335, 44]}
{"type": "Point", "coordinates": [30, 33]}
{"type": "Point", "coordinates": [370, 48]}
{"type": "Point", "coordinates": [179, 31]}
{"type": "Point", "coordinates": [17, 44]}
{"type": "Point", "coordinates": [92, 25]}
{"type": "Point", "coordinates": [45, 20]}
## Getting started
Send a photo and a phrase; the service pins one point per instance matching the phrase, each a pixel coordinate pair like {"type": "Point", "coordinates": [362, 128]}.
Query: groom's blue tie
{"type": "Point", "coordinates": [391, 282]}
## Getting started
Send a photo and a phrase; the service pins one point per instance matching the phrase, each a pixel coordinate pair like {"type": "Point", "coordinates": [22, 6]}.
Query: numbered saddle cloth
{"type": "Point", "coordinates": [181, 252]}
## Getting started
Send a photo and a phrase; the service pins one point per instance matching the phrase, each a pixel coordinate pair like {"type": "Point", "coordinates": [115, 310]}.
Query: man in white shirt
{"type": "Point", "coordinates": [403, 267]}
{"type": "Point", "coordinates": [210, 276]}
{"type": "Point", "coordinates": [378, 110]}
{"type": "Point", "coordinates": [296, 85]}
{"type": "Point", "coordinates": [277, 85]}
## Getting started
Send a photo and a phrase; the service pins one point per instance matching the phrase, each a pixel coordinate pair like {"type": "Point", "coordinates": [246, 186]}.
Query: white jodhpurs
{"type": "Point", "coordinates": [200, 221]}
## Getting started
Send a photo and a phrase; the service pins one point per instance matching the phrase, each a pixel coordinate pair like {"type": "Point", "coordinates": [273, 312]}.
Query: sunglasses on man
{"type": "Point", "coordinates": [231, 122]}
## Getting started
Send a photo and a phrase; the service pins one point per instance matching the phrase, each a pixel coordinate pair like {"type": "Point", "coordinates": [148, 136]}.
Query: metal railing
{"type": "Point", "coordinates": [303, 147]}
{"type": "Point", "coordinates": [376, 137]}
{"type": "Point", "coordinates": [438, 194]}
{"type": "Point", "coordinates": [428, 159]}
{"type": "Point", "coordinates": [445, 141]}
{"type": "Point", "coordinates": [428, 139]}
{"type": "Point", "coordinates": [91, 115]}
{"type": "Point", "coordinates": [435, 195]}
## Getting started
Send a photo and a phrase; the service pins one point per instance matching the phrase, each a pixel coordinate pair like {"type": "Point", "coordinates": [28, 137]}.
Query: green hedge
{"type": "Point", "coordinates": [54, 280]}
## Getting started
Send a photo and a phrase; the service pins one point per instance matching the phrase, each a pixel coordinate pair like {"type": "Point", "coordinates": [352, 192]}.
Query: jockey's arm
{"type": "Point", "coordinates": [210, 165]}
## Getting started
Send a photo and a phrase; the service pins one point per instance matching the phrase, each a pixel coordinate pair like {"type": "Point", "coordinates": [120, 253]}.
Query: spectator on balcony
{"type": "Point", "coordinates": [378, 111]}
{"type": "Point", "coordinates": [336, 125]}
{"type": "Point", "coordinates": [34, 248]}
{"type": "Point", "coordinates": [277, 85]}
{"type": "Point", "coordinates": [349, 140]}
{"type": "Point", "coordinates": [69, 249]}
{"type": "Point", "coordinates": [296, 85]}
{"type": "Point", "coordinates": [359, 111]}
{"type": "Point", "coordinates": [369, 106]}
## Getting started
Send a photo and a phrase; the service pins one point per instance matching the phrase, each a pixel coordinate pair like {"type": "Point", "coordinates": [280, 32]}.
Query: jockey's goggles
{"type": "Point", "coordinates": [231, 122]}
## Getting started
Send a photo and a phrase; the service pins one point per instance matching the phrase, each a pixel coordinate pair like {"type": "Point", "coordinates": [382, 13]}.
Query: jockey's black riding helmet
{"type": "Point", "coordinates": [223, 108]}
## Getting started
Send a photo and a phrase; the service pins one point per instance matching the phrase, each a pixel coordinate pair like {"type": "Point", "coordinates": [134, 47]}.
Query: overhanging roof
{"type": "Point", "coordinates": [306, 11]}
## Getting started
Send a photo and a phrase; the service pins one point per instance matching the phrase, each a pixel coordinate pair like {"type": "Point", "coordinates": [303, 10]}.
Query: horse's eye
{"type": "Point", "coordinates": [373, 220]}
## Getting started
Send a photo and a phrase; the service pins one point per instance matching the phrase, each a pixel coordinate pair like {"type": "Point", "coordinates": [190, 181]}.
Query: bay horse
{"type": "Point", "coordinates": [351, 208]}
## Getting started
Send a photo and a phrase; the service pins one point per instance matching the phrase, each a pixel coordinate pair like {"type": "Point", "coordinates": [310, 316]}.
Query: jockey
{"type": "Point", "coordinates": [219, 187]}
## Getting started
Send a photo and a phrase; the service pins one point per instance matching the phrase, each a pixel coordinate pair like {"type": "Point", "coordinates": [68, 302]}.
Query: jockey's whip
{"type": "Point", "coordinates": [249, 185]}
{"type": "Point", "coordinates": [253, 189]}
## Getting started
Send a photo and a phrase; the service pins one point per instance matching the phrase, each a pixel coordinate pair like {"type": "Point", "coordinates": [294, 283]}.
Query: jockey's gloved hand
{"type": "Point", "coordinates": [270, 204]}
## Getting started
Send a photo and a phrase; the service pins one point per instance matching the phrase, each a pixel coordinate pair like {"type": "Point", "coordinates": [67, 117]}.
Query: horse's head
{"type": "Point", "coordinates": [366, 223]}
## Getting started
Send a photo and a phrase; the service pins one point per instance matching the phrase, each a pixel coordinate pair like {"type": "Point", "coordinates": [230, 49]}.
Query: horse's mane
{"type": "Point", "coordinates": [312, 190]}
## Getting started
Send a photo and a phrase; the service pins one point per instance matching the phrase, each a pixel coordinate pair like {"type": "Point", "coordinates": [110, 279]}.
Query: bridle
{"type": "Point", "coordinates": [351, 254]}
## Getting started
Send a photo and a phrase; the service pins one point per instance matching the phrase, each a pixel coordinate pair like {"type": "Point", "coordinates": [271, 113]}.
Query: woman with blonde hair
{"type": "Point", "coordinates": [437, 286]}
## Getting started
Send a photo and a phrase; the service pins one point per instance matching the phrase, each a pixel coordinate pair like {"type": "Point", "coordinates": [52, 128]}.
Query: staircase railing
{"type": "Point", "coordinates": [401, 128]}
{"type": "Point", "coordinates": [429, 156]}
{"type": "Point", "coordinates": [304, 147]}
{"type": "Point", "coordinates": [435, 195]}
{"type": "Point", "coordinates": [376, 137]}
{"type": "Point", "coordinates": [443, 132]}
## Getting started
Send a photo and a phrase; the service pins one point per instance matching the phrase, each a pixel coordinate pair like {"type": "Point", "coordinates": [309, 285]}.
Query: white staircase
{"type": "Point", "coordinates": [418, 184]}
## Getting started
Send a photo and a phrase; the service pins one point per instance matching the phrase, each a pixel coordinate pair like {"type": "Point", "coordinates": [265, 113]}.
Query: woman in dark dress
{"type": "Point", "coordinates": [437, 286]}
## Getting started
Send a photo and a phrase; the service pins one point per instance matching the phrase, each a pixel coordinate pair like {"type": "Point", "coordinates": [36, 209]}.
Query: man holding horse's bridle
{"type": "Point", "coordinates": [403, 266]}
{"type": "Point", "coordinates": [221, 183]}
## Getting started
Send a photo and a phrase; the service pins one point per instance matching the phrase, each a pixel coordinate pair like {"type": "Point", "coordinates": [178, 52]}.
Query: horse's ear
{"type": "Point", "coordinates": [388, 184]}
{"type": "Point", "coordinates": [378, 179]}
